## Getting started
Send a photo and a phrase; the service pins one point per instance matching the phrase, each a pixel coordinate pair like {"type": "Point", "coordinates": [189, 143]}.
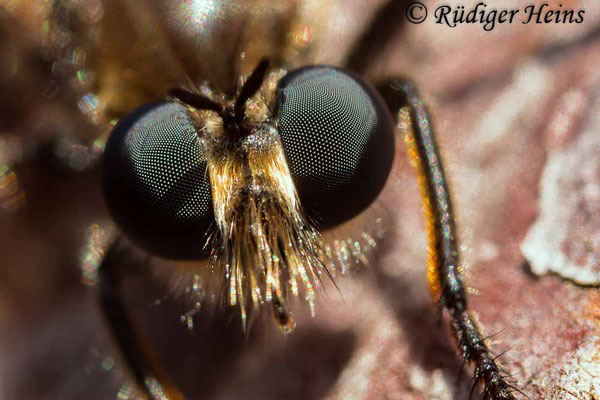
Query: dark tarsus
{"type": "Point", "coordinates": [398, 94]}
{"type": "Point", "coordinates": [386, 24]}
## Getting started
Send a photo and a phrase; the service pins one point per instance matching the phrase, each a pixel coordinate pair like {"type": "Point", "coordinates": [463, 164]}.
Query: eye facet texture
{"type": "Point", "coordinates": [338, 138]}
{"type": "Point", "coordinates": [155, 181]}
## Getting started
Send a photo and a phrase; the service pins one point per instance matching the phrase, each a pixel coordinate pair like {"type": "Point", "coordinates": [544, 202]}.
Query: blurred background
{"type": "Point", "coordinates": [517, 113]}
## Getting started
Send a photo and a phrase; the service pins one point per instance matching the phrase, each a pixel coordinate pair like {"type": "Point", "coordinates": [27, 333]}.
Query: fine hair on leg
{"type": "Point", "coordinates": [444, 269]}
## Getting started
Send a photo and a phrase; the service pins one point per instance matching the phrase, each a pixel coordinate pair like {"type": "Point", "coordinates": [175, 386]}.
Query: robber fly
{"type": "Point", "coordinates": [244, 166]}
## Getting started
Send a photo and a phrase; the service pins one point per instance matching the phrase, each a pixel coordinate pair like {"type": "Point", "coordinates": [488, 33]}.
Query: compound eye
{"type": "Point", "coordinates": [155, 181]}
{"type": "Point", "coordinates": [338, 138]}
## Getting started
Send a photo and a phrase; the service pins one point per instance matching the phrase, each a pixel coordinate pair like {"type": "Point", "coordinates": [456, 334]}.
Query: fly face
{"type": "Point", "coordinates": [281, 150]}
{"type": "Point", "coordinates": [249, 181]}
{"type": "Point", "coordinates": [186, 178]}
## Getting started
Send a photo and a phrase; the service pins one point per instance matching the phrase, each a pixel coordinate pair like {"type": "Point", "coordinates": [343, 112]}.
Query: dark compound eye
{"type": "Point", "coordinates": [155, 182]}
{"type": "Point", "coordinates": [338, 138]}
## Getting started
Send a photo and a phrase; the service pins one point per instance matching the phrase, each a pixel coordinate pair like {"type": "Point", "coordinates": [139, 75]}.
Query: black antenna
{"type": "Point", "coordinates": [251, 86]}
{"type": "Point", "coordinates": [195, 100]}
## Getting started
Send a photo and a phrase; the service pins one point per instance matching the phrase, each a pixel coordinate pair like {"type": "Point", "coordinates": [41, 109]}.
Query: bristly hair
{"type": "Point", "coordinates": [264, 244]}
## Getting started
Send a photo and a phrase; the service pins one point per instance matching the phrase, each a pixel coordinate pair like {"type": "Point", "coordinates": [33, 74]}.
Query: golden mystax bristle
{"type": "Point", "coordinates": [267, 249]}
{"type": "Point", "coordinates": [265, 246]}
